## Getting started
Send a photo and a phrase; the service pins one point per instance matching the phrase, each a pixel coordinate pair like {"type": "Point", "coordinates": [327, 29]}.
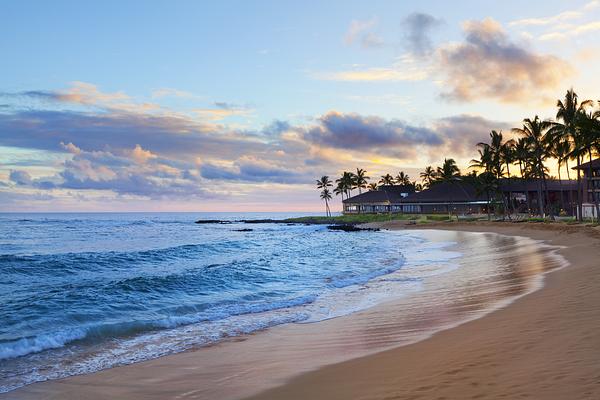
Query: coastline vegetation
{"type": "Point", "coordinates": [573, 136]}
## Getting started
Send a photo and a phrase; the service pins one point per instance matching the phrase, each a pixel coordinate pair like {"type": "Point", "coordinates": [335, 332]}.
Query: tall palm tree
{"type": "Point", "coordinates": [324, 184]}
{"type": "Point", "coordinates": [568, 111]}
{"type": "Point", "coordinates": [507, 157]}
{"type": "Point", "coordinates": [387, 180]}
{"type": "Point", "coordinates": [560, 150]}
{"type": "Point", "coordinates": [360, 179]}
{"type": "Point", "coordinates": [537, 133]}
{"type": "Point", "coordinates": [428, 176]}
{"type": "Point", "coordinates": [326, 195]}
{"type": "Point", "coordinates": [402, 178]}
{"type": "Point", "coordinates": [449, 173]}
{"type": "Point", "coordinates": [487, 183]}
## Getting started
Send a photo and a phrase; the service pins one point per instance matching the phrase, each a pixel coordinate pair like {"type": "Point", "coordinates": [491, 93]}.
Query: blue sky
{"type": "Point", "coordinates": [182, 105]}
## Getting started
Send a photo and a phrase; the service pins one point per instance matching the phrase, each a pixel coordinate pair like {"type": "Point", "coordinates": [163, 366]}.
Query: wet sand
{"type": "Point", "coordinates": [545, 345]}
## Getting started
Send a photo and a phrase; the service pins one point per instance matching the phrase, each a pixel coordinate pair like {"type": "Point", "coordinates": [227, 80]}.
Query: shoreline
{"type": "Point", "coordinates": [543, 345]}
{"type": "Point", "coordinates": [312, 384]}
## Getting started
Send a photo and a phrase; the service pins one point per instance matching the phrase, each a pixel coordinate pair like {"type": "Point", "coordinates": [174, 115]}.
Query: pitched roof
{"type": "Point", "coordinates": [375, 196]}
{"type": "Point", "coordinates": [595, 164]}
{"type": "Point", "coordinates": [454, 192]}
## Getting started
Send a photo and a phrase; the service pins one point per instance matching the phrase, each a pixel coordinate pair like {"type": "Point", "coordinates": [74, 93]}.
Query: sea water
{"type": "Point", "coordinates": [84, 292]}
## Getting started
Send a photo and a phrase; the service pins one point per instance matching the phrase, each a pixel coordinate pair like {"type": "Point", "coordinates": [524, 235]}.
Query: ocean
{"type": "Point", "coordinates": [85, 292]}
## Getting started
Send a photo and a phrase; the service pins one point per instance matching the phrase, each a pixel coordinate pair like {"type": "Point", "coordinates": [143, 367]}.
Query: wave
{"type": "Point", "coordinates": [47, 341]}
{"type": "Point", "coordinates": [39, 343]}
{"type": "Point", "coordinates": [341, 282]}
{"type": "Point", "coordinates": [65, 263]}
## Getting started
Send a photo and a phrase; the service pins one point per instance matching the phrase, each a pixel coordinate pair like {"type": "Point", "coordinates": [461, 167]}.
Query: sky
{"type": "Point", "coordinates": [242, 105]}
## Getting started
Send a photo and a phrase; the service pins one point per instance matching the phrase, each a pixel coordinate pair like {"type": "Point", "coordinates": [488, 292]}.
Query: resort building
{"type": "Point", "coordinates": [386, 199]}
{"type": "Point", "coordinates": [591, 184]}
{"type": "Point", "coordinates": [462, 197]}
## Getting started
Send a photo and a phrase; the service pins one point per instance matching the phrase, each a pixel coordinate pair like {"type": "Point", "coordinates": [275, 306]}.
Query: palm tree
{"type": "Point", "coordinates": [360, 179]}
{"type": "Point", "coordinates": [537, 134]}
{"type": "Point", "coordinates": [324, 184]}
{"type": "Point", "coordinates": [507, 157]}
{"type": "Point", "coordinates": [449, 173]}
{"type": "Point", "coordinates": [485, 161]}
{"type": "Point", "coordinates": [372, 187]}
{"type": "Point", "coordinates": [428, 176]}
{"type": "Point", "coordinates": [568, 111]}
{"type": "Point", "coordinates": [487, 183]}
{"type": "Point", "coordinates": [495, 152]}
{"type": "Point", "coordinates": [345, 184]}
{"type": "Point", "coordinates": [521, 153]}
{"type": "Point", "coordinates": [387, 180]}
{"type": "Point", "coordinates": [326, 195]}
{"type": "Point", "coordinates": [402, 179]}
{"type": "Point", "coordinates": [561, 151]}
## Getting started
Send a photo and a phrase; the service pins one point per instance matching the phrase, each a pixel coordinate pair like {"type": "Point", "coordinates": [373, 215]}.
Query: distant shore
{"type": "Point", "coordinates": [543, 346]}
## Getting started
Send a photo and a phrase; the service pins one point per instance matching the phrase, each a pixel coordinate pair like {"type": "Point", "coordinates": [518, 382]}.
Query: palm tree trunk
{"type": "Point", "coordinates": [540, 198]}
{"type": "Point", "coordinates": [570, 191]}
{"type": "Point", "coordinates": [594, 197]}
{"type": "Point", "coordinates": [561, 185]}
{"type": "Point", "coordinates": [510, 207]}
{"type": "Point", "coordinates": [546, 197]}
{"type": "Point", "coordinates": [579, 191]}
{"type": "Point", "coordinates": [488, 205]}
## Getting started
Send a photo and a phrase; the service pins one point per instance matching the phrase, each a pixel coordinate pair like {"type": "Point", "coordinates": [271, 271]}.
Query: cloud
{"type": "Point", "coordinates": [175, 136]}
{"type": "Point", "coordinates": [122, 174]}
{"type": "Point", "coordinates": [488, 65]}
{"type": "Point", "coordinates": [222, 111]}
{"type": "Point", "coordinates": [353, 131]}
{"type": "Point", "coordinates": [87, 94]}
{"type": "Point", "coordinates": [565, 25]}
{"type": "Point", "coordinates": [140, 155]}
{"type": "Point", "coordinates": [20, 177]}
{"type": "Point", "coordinates": [417, 27]}
{"type": "Point", "coordinates": [359, 31]}
{"type": "Point", "coordinates": [554, 19]}
{"type": "Point", "coordinates": [461, 133]}
{"type": "Point", "coordinates": [570, 31]}
{"type": "Point", "coordinates": [251, 169]}
{"type": "Point", "coordinates": [405, 68]}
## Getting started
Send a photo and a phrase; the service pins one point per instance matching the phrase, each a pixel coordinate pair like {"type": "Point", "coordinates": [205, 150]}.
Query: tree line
{"type": "Point", "coordinates": [574, 135]}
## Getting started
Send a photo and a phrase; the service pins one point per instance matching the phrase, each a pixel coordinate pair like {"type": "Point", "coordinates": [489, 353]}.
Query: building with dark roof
{"type": "Point", "coordinates": [463, 197]}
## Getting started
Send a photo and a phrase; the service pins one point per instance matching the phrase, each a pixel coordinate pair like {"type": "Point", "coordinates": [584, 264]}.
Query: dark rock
{"type": "Point", "coordinates": [243, 230]}
{"type": "Point", "coordinates": [349, 228]}
{"type": "Point", "coordinates": [212, 221]}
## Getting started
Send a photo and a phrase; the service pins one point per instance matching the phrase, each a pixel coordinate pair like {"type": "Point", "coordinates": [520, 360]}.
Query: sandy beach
{"type": "Point", "coordinates": [545, 345]}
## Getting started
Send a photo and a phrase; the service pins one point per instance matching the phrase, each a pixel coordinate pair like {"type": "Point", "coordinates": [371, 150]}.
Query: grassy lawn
{"type": "Point", "coordinates": [365, 218]}
{"type": "Point", "coordinates": [420, 219]}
